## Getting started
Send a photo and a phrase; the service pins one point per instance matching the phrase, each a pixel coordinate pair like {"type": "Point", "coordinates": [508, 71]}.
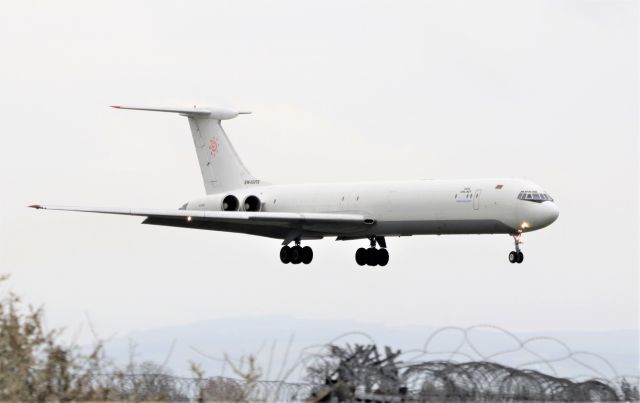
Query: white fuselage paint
{"type": "Point", "coordinates": [473, 206]}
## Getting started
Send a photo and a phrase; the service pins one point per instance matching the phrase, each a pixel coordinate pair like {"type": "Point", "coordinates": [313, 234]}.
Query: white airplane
{"type": "Point", "coordinates": [236, 201]}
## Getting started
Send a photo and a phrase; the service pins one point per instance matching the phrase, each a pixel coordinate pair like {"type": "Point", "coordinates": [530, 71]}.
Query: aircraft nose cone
{"type": "Point", "coordinates": [551, 212]}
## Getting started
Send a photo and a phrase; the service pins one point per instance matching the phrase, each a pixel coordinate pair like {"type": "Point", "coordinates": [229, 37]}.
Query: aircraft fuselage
{"type": "Point", "coordinates": [421, 207]}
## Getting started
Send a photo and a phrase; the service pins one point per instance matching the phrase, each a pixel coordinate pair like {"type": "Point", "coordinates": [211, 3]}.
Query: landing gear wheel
{"type": "Point", "coordinates": [383, 257]}
{"type": "Point", "coordinates": [285, 254]}
{"type": "Point", "coordinates": [371, 256]}
{"type": "Point", "coordinates": [513, 257]}
{"type": "Point", "coordinates": [307, 255]}
{"type": "Point", "coordinates": [516, 256]}
{"type": "Point", "coordinates": [296, 254]}
{"type": "Point", "coordinates": [361, 256]}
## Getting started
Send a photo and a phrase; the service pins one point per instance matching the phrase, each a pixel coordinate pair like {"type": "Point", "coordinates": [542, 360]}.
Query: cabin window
{"type": "Point", "coordinates": [534, 195]}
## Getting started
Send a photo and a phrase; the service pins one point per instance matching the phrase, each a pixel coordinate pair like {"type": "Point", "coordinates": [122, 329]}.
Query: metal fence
{"type": "Point", "coordinates": [162, 387]}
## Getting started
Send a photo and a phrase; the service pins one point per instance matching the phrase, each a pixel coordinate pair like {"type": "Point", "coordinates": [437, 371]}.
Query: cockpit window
{"type": "Point", "coordinates": [534, 196]}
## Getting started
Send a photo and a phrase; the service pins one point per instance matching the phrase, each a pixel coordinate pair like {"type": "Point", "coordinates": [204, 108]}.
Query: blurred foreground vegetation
{"type": "Point", "coordinates": [35, 365]}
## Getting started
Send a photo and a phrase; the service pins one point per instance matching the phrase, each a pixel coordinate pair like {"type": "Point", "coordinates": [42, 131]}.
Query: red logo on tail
{"type": "Point", "coordinates": [213, 146]}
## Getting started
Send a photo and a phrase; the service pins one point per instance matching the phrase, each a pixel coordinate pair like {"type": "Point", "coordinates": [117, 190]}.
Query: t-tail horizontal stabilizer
{"type": "Point", "coordinates": [213, 113]}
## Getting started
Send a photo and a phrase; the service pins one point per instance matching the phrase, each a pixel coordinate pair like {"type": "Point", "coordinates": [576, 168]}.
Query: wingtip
{"type": "Point", "coordinates": [36, 206]}
{"type": "Point", "coordinates": [115, 106]}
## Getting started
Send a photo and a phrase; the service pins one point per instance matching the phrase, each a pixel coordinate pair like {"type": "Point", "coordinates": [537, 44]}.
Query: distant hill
{"type": "Point", "coordinates": [269, 337]}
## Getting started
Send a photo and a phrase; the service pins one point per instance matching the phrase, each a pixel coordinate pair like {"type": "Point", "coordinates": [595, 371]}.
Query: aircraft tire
{"type": "Point", "coordinates": [296, 255]}
{"type": "Point", "coordinates": [371, 257]}
{"type": "Point", "coordinates": [361, 256]}
{"type": "Point", "coordinates": [383, 257]}
{"type": "Point", "coordinates": [285, 254]}
{"type": "Point", "coordinates": [307, 255]}
{"type": "Point", "coordinates": [520, 257]}
{"type": "Point", "coordinates": [513, 257]}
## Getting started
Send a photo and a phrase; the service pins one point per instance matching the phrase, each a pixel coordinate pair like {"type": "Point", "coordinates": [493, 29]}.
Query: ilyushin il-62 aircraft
{"type": "Point", "coordinates": [237, 201]}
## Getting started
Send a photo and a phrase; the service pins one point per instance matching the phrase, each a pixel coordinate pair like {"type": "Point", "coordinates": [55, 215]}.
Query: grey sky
{"type": "Point", "coordinates": [545, 90]}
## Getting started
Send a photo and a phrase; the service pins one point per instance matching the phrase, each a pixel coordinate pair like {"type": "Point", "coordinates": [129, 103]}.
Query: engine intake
{"type": "Point", "coordinates": [252, 203]}
{"type": "Point", "coordinates": [230, 203]}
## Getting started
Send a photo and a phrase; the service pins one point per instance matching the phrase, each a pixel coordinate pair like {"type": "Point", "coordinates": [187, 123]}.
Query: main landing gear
{"type": "Point", "coordinates": [516, 256]}
{"type": "Point", "coordinates": [373, 256]}
{"type": "Point", "coordinates": [296, 254]}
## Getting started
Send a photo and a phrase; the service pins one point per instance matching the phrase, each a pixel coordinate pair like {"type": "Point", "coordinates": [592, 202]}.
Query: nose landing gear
{"type": "Point", "coordinates": [516, 256]}
{"type": "Point", "coordinates": [373, 256]}
{"type": "Point", "coordinates": [296, 254]}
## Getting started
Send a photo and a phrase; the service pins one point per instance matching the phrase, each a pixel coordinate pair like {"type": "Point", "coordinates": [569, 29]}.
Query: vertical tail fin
{"type": "Point", "coordinates": [220, 164]}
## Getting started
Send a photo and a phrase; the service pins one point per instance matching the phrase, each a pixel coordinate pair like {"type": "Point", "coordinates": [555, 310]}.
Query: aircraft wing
{"type": "Point", "coordinates": [270, 224]}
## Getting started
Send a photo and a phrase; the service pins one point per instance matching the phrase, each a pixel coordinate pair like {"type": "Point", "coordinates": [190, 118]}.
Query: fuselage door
{"type": "Point", "coordinates": [476, 199]}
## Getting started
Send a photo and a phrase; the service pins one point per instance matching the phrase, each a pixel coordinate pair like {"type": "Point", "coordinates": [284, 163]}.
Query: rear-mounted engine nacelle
{"type": "Point", "coordinates": [252, 203]}
{"type": "Point", "coordinates": [230, 203]}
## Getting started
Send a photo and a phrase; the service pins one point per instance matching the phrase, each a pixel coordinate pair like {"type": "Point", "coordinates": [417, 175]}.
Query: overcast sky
{"type": "Point", "coordinates": [340, 91]}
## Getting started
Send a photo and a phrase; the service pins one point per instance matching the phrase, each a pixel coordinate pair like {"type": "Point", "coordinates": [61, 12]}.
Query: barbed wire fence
{"type": "Point", "coordinates": [163, 387]}
{"type": "Point", "coordinates": [351, 368]}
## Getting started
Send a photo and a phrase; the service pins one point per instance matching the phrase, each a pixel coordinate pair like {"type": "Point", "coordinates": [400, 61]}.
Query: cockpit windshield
{"type": "Point", "coordinates": [534, 196]}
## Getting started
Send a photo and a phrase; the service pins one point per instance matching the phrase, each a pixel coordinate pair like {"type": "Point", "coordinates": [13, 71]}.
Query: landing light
{"type": "Point", "coordinates": [524, 225]}
{"type": "Point", "coordinates": [189, 218]}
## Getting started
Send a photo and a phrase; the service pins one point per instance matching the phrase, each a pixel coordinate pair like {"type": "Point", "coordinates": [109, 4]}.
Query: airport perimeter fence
{"type": "Point", "coordinates": [352, 367]}
{"type": "Point", "coordinates": [162, 387]}
{"type": "Point", "coordinates": [441, 381]}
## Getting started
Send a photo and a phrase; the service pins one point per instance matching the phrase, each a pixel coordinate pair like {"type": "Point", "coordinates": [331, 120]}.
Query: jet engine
{"type": "Point", "coordinates": [252, 203]}
{"type": "Point", "coordinates": [230, 203]}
